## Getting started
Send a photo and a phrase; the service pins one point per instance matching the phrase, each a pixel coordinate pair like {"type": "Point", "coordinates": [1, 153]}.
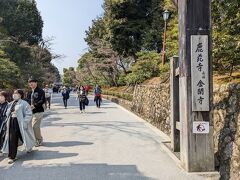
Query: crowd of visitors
{"type": "Point", "coordinates": [21, 115]}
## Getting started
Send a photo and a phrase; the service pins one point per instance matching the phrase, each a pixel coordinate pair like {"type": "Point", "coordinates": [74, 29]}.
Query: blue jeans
{"type": "Point", "coordinates": [98, 101]}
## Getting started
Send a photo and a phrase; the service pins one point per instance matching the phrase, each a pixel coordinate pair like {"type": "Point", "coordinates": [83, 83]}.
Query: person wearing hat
{"type": "Point", "coordinates": [36, 98]}
{"type": "Point", "coordinates": [66, 96]}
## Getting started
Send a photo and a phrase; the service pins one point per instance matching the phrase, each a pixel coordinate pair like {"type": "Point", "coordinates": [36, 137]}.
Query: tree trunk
{"type": "Point", "coordinates": [122, 65]}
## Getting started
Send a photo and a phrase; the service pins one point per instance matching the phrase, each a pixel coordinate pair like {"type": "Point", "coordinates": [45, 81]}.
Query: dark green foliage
{"type": "Point", "coordinates": [154, 32]}
{"type": "Point", "coordinates": [226, 35]}
{"type": "Point", "coordinates": [122, 79]}
{"type": "Point", "coordinates": [147, 66]}
{"type": "Point", "coordinates": [22, 20]}
{"type": "Point", "coordinates": [125, 43]}
{"type": "Point", "coordinates": [116, 41]}
{"type": "Point", "coordinates": [129, 24]}
{"type": "Point", "coordinates": [9, 72]}
{"type": "Point", "coordinates": [25, 52]}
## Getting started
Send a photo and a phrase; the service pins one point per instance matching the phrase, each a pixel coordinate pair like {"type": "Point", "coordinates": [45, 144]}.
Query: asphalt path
{"type": "Point", "coordinates": [109, 143]}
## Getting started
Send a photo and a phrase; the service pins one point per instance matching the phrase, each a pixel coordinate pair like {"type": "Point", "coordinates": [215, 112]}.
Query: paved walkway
{"type": "Point", "coordinates": [104, 144]}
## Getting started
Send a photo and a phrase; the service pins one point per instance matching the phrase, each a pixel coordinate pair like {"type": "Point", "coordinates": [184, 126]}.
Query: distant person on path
{"type": "Point", "coordinates": [3, 116]}
{"type": "Point", "coordinates": [19, 127]}
{"type": "Point", "coordinates": [36, 98]}
{"type": "Point", "coordinates": [82, 97]}
{"type": "Point", "coordinates": [87, 89]}
{"type": "Point", "coordinates": [48, 95]}
{"type": "Point", "coordinates": [98, 96]}
{"type": "Point", "coordinates": [66, 96]}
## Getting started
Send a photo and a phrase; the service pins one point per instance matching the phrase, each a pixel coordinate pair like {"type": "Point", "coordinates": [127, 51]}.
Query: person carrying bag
{"type": "Point", "coordinates": [83, 100]}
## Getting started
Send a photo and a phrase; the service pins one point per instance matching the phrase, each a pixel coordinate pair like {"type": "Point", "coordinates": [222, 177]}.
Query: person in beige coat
{"type": "Point", "coordinates": [19, 127]}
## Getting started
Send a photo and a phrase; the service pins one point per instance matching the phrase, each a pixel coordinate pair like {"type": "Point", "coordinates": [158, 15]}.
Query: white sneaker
{"type": "Point", "coordinates": [38, 143]}
{"type": "Point", "coordinates": [29, 151]}
{"type": "Point", "coordinates": [11, 161]}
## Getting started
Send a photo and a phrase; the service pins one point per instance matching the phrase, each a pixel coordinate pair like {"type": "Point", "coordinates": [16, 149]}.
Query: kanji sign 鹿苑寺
{"type": "Point", "coordinates": [200, 72]}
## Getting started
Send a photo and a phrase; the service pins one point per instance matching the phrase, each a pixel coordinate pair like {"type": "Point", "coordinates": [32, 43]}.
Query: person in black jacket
{"type": "Point", "coordinates": [66, 96]}
{"type": "Point", "coordinates": [36, 98]}
{"type": "Point", "coordinates": [82, 99]}
{"type": "Point", "coordinates": [3, 116]}
{"type": "Point", "coordinates": [98, 96]}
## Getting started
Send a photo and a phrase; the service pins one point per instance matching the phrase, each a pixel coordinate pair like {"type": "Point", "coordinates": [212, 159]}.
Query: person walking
{"type": "Point", "coordinates": [87, 89]}
{"type": "Point", "coordinates": [98, 96]}
{"type": "Point", "coordinates": [48, 95]}
{"type": "Point", "coordinates": [19, 127]}
{"type": "Point", "coordinates": [82, 97]}
{"type": "Point", "coordinates": [3, 116]}
{"type": "Point", "coordinates": [66, 96]}
{"type": "Point", "coordinates": [36, 98]}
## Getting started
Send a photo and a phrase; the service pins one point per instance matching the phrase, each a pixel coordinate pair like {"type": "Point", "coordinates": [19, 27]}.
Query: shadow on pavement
{"type": "Point", "coordinates": [95, 112]}
{"type": "Point", "coordinates": [43, 155]}
{"type": "Point", "coordinates": [66, 144]}
{"type": "Point", "coordinates": [132, 129]}
{"type": "Point", "coordinates": [110, 107]}
{"type": "Point", "coordinates": [49, 122]}
{"type": "Point", "coordinates": [74, 172]}
{"type": "Point", "coordinates": [76, 112]}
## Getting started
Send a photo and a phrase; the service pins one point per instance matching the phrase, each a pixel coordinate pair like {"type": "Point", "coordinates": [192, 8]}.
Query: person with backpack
{"type": "Point", "coordinates": [98, 96]}
{"type": "Point", "coordinates": [66, 96]}
{"type": "Point", "coordinates": [82, 97]}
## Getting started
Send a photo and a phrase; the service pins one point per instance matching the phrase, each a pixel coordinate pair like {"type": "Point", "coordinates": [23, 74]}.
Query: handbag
{"type": "Point", "coordinates": [86, 101]}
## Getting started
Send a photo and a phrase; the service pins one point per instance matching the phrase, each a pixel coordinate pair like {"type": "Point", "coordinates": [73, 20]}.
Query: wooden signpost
{"type": "Point", "coordinates": [200, 72]}
{"type": "Point", "coordinates": [195, 85]}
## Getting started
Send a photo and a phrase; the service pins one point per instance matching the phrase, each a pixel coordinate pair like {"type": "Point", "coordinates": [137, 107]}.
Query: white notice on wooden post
{"type": "Point", "coordinates": [200, 127]}
{"type": "Point", "coordinates": [200, 72]}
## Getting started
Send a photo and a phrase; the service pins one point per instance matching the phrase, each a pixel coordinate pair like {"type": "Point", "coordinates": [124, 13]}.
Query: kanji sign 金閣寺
{"type": "Point", "coordinates": [200, 72]}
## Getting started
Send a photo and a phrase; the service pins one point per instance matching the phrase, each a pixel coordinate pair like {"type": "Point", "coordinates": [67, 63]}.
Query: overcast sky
{"type": "Point", "coordinates": [67, 21]}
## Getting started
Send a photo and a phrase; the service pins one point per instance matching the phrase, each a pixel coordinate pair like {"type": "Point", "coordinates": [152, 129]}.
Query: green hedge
{"type": "Point", "coordinates": [125, 96]}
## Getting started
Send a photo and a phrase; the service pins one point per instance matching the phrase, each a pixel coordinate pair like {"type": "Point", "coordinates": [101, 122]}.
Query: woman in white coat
{"type": "Point", "coordinates": [19, 127]}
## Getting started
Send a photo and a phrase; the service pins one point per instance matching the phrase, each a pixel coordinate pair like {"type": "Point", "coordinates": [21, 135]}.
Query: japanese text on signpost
{"type": "Point", "coordinates": [200, 72]}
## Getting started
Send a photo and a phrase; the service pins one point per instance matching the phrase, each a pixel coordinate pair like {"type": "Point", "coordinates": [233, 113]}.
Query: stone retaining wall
{"type": "Point", "coordinates": [125, 103]}
{"type": "Point", "coordinates": [227, 130]}
{"type": "Point", "coordinates": [153, 104]}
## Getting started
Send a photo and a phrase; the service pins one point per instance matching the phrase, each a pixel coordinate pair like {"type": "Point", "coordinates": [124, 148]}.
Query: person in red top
{"type": "Point", "coordinates": [87, 88]}
{"type": "Point", "coordinates": [98, 96]}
